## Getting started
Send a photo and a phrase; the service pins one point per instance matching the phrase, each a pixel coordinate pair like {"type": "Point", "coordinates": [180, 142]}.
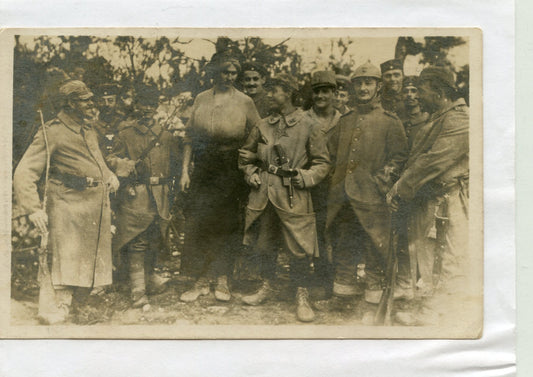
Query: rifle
{"type": "Point", "coordinates": [441, 225]}
{"type": "Point", "coordinates": [47, 299]}
{"type": "Point", "coordinates": [287, 170]}
{"type": "Point", "coordinates": [384, 311]}
{"type": "Point", "coordinates": [126, 182]}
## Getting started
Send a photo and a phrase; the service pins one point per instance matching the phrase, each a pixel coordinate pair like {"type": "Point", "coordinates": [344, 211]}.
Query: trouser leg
{"type": "Point", "coordinates": [345, 238]}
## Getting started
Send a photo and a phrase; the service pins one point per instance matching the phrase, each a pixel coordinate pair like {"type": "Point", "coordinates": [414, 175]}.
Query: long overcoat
{"type": "Point", "coordinates": [79, 221]}
{"type": "Point", "coordinates": [151, 201]}
{"type": "Point", "coordinates": [304, 142]}
{"type": "Point", "coordinates": [368, 148]}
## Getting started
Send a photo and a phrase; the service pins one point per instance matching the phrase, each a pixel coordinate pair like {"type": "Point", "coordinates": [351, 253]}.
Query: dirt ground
{"type": "Point", "coordinates": [113, 307]}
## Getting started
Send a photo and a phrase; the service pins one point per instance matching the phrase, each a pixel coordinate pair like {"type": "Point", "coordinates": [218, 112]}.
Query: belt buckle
{"type": "Point", "coordinates": [272, 169]}
{"type": "Point", "coordinates": [90, 181]}
{"type": "Point", "coordinates": [154, 180]}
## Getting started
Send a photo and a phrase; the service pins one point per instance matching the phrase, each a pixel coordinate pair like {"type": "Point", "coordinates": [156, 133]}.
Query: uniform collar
{"type": "Point", "coordinates": [336, 116]}
{"type": "Point", "coordinates": [458, 103]}
{"type": "Point", "coordinates": [368, 107]}
{"type": "Point", "coordinates": [69, 121]}
{"type": "Point", "coordinates": [290, 119]}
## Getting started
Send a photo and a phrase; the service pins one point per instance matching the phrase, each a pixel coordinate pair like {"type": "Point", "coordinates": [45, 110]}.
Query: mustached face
{"type": "Point", "coordinates": [410, 96]}
{"type": "Point", "coordinates": [366, 88]}
{"type": "Point", "coordinates": [84, 107]}
{"type": "Point", "coordinates": [253, 82]}
{"type": "Point", "coordinates": [323, 97]}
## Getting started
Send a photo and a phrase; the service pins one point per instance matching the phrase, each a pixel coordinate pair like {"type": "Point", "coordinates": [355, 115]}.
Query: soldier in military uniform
{"type": "Point", "coordinates": [324, 88]}
{"type": "Point", "coordinates": [253, 79]}
{"type": "Point", "coordinates": [342, 97]}
{"type": "Point", "coordinates": [391, 96]}
{"type": "Point", "coordinates": [413, 258]}
{"type": "Point", "coordinates": [109, 117]}
{"type": "Point", "coordinates": [368, 149]}
{"type": "Point", "coordinates": [143, 202]}
{"type": "Point", "coordinates": [292, 159]}
{"type": "Point", "coordinates": [415, 117]}
{"type": "Point", "coordinates": [77, 215]}
{"type": "Point", "coordinates": [435, 179]}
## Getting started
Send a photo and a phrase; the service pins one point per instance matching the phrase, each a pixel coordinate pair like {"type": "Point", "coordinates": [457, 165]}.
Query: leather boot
{"type": "Point", "coordinates": [222, 292]}
{"type": "Point", "coordinates": [260, 296]}
{"type": "Point", "coordinates": [138, 285]}
{"type": "Point", "coordinates": [200, 288]}
{"type": "Point", "coordinates": [304, 312]}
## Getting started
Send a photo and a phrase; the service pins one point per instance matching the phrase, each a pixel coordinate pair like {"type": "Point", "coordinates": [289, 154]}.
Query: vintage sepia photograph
{"type": "Point", "coordinates": [244, 183]}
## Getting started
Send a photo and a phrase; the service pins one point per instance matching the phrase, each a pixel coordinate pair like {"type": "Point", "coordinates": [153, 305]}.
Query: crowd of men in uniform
{"type": "Point", "coordinates": [377, 153]}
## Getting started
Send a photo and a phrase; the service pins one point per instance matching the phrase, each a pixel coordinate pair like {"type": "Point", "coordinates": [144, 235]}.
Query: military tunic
{"type": "Point", "coordinates": [107, 131]}
{"type": "Point", "coordinates": [395, 103]}
{"type": "Point", "coordinates": [262, 103]}
{"type": "Point", "coordinates": [79, 220]}
{"type": "Point", "coordinates": [304, 143]}
{"type": "Point", "coordinates": [136, 212]}
{"type": "Point", "coordinates": [368, 147]}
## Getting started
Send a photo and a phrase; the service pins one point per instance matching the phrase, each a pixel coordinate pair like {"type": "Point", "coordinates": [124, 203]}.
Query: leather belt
{"type": "Point", "coordinates": [153, 181]}
{"type": "Point", "coordinates": [75, 181]}
{"type": "Point", "coordinates": [277, 170]}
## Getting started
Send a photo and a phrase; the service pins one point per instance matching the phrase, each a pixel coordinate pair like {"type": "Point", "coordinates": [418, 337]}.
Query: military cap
{"type": "Point", "coordinates": [254, 66]}
{"type": "Point", "coordinates": [321, 79]}
{"type": "Point", "coordinates": [106, 90]}
{"type": "Point", "coordinates": [343, 82]}
{"type": "Point", "coordinates": [410, 81]}
{"type": "Point", "coordinates": [75, 88]}
{"type": "Point", "coordinates": [389, 65]}
{"type": "Point", "coordinates": [147, 95]}
{"type": "Point", "coordinates": [440, 74]}
{"type": "Point", "coordinates": [367, 70]}
{"type": "Point", "coordinates": [286, 80]}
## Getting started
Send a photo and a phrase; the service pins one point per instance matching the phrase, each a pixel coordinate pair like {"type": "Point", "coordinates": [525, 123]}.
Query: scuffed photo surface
{"type": "Point", "coordinates": [135, 78]}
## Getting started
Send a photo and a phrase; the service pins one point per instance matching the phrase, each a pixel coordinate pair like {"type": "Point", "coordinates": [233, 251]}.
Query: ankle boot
{"type": "Point", "coordinates": [200, 288]}
{"type": "Point", "coordinates": [304, 312]}
{"type": "Point", "coordinates": [222, 292]}
{"type": "Point", "coordinates": [259, 296]}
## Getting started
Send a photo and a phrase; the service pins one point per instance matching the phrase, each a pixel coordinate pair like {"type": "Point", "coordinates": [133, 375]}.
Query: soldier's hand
{"type": "Point", "coordinates": [185, 182]}
{"type": "Point", "coordinates": [247, 157]}
{"type": "Point", "coordinates": [255, 180]}
{"type": "Point", "coordinates": [298, 181]}
{"type": "Point", "coordinates": [393, 200]}
{"type": "Point", "coordinates": [112, 183]}
{"type": "Point", "coordinates": [40, 220]}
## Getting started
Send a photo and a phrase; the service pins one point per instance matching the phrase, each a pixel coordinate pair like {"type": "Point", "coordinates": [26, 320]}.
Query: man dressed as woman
{"type": "Point", "coordinates": [220, 121]}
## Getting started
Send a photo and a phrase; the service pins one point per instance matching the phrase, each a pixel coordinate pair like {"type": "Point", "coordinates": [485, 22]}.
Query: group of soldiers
{"type": "Point", "coordinates": [377, 165]}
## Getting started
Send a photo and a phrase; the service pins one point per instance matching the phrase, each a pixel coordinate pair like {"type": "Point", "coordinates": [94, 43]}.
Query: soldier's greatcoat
{"type": "Point", "coordinates": [304, 142]}
{"type": "Point", "coordinates": [79, 220]}
{"type": "Point", "coordinates": [367, 148]}
{"type": "Point", "coordinates": [151, 201]}
{"type": "Point", "coordinates": [438, 165]}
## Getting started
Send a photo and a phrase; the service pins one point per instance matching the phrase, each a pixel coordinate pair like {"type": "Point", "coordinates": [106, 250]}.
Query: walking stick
{"type": "Point", "coordinates": [47, 299]}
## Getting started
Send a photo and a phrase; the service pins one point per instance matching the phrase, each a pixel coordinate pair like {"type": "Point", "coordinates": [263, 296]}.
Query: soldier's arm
{"type": "Point", "coordinates": [319, 159]}
{"type": "Point", "coordinates": [450, 146]}
{"type": "Point", "coordinates": [29, 172]}
{"type": "Point", "coordinates": [250, 145]}
{"type": "Point", "coordinates": [118, 160]}
{"type": "Point", "coordinates": [252, 116]}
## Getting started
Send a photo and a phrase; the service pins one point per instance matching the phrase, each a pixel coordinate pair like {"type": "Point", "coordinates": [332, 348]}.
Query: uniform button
{"type": "Point", "coordinates": [355, 139]}
{"type": "Point", "coordinates": [358, 129]}
{"type": "Point", "coordinates": [362, 118]}
{"type": "Point", "coordinates": [352, 161]}
{"type": "Point", "coordinates": [270, 184]}
{"type": "Point", "coordinates": [353, 150]}
{"type": "Point", "coordinates": [349, 172]}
